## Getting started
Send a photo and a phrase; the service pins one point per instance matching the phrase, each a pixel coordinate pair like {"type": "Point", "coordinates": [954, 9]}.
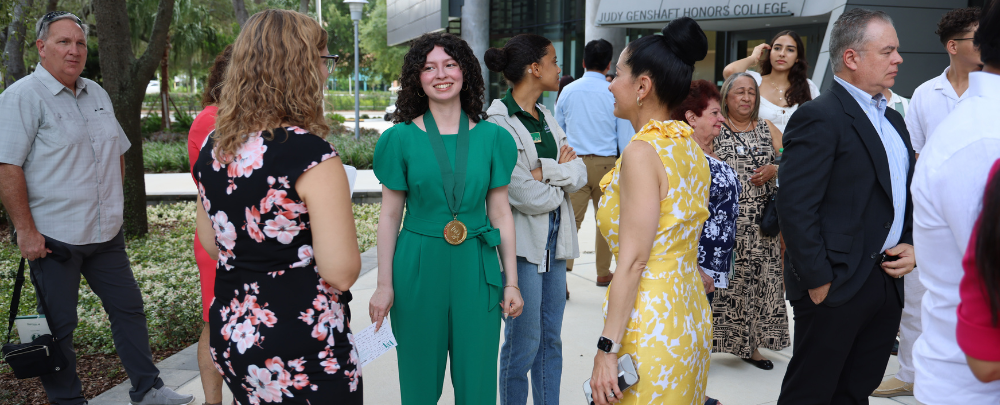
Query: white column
{"type": "Point", "coordinates": [616, 36]}
{"type": "Point", "coordinates": [476, 31]}
{"type": "Point", "coordinates": [823, 65]}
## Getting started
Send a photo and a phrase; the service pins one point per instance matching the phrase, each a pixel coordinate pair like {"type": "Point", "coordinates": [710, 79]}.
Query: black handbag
{"type": "Point", "coordinates": [40, 356]}
{"type": "Point", "coordinates": [767, 219]}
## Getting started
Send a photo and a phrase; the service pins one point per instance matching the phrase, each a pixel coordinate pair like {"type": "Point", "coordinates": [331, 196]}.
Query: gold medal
{"type": "Point", "coordinates": [455, 232]}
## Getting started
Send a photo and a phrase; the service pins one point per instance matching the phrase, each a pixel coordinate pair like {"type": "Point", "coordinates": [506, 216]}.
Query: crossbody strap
{"type": "Point", "coordinates": [15, 299]}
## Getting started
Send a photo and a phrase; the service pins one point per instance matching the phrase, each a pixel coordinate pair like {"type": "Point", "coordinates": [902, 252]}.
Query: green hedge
{"type": "Point", "coordinates": [164, 266]}
{"type": "Point", "coordinates": [165, 157]}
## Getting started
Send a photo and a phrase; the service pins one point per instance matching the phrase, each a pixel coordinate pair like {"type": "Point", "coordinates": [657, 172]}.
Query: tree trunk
{"type": "Point", "coordinates": [52, 6]}
{"type": "Point", "coordinates": [303, 6]}
{"type": "Point", "coordinates": [241, 12]}
{"type": "Point", "coordinates": [125, 80]}
{"type": "Point", "coordinates": [14, 48]}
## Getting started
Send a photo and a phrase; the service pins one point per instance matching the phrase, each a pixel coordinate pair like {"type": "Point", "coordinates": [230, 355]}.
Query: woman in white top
{"type": "Point", "coordinates": [782, 78]}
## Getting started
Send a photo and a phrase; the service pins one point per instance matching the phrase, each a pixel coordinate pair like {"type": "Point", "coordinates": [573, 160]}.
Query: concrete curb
{"type": "Point", "coordinates": [182, 367]}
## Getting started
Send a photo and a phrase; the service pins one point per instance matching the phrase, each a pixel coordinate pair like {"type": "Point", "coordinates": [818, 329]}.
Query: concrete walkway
{"type": "Point", "coordinates": [731, 380]}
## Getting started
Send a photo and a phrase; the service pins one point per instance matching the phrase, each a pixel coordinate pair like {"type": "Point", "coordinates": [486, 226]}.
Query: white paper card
{"type": "Point", "coordinates": [371, 344]}
{"type": "Point", "coordinates": [31, 327]}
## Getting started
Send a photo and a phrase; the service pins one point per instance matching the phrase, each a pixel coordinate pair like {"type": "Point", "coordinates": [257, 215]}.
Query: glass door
{"type": "Point", "coordinates": [741, 43]}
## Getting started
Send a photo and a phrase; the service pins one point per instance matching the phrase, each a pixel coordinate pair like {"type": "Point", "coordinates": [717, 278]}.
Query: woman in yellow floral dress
{"type": "Point", "coordinates": [656, 309]}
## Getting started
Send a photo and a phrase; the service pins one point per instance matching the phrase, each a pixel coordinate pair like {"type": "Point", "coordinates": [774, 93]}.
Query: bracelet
{"type": "Point", "coordinates": [515, 287]}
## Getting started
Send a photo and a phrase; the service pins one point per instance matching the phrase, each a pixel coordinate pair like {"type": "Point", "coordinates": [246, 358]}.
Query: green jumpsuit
{"type": "Point", "coordinates": [447, 298]}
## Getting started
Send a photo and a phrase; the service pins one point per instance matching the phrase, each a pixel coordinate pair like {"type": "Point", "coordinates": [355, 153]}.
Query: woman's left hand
{"type": "Point", "coordinates": [512, 302]}
{"type": "Point", "coordinates": [763, 175]}
{"type": "Point", "coordinates": [604, 380]}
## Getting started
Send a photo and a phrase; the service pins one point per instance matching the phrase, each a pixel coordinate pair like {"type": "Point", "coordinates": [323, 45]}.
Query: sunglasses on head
{"type": "Point", "coordinates": [54, 15]}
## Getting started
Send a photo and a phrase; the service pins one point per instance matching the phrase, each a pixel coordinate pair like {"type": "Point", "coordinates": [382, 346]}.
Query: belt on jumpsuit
{"type": "Point", "coordinates": [486, 234]}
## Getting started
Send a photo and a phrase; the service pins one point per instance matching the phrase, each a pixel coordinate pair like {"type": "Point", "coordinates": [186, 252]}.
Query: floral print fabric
{"type": "Point", "coordinates": [279, 333]}
{"type": "Point", "coordinates": [669, 333]}
{"type": "Point", "coordinates": [715, 249]}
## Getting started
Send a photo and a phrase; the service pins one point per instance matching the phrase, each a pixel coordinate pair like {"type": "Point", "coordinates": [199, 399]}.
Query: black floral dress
{"type": "Point", "coordinates": [279, 332]}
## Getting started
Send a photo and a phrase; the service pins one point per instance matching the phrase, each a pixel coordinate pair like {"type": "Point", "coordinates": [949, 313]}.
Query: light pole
{"type": "Point", "coordinates": [356, 6]}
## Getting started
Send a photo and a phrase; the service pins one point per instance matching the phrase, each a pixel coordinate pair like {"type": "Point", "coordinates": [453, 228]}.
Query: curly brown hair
{"type": "Point", "coordinates": [957, 22]}
{"type": "Point", "coordinates": [213, 87]}
{"type": "Point", "coordinates": [798, 92]}
{"type": "Point", "coordinates": [274, 77]}
{"type": "Point", "coordinates": [412, 101]}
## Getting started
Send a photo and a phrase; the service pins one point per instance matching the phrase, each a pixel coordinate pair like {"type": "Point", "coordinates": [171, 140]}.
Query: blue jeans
{"type": "Point", "coordinates": [532, 340]}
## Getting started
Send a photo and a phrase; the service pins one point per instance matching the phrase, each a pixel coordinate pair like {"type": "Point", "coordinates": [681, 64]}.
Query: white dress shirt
{"type": "Point", "coordinates": [947, 189]}
{"type": "Point", "coordinates": [585, 112]}
{"type": "Point", "coordinates": [779, 116]}
{"type": "Point", "coordinates": [930, 104]}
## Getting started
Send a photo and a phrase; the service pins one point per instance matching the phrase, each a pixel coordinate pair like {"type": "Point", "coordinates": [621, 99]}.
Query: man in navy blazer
{"type": "Point", "coordinates": [846, 216]}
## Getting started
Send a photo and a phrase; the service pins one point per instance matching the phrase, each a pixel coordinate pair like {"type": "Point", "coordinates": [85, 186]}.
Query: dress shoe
{"type": "Point", "coordinates": [893, 387]}
{"type": "Point", "coordinates": [603, 281]}
{"type": "Point", "coordinates": [763, 364]}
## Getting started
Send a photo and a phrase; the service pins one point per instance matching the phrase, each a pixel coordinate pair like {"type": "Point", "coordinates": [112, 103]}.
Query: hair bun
{"type": "Point", "coordinates": [686, 39]}
{"type": "Point", "coordinates": [496, 59]}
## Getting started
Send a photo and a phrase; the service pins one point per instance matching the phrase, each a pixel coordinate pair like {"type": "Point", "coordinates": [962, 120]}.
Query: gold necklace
{"type": "Point", "coordinates": [781, 92]}
{"type": "Point", "coordinates": [734, 125]}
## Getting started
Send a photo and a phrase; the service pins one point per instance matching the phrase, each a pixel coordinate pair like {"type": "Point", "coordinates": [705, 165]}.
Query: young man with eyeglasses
{"type": "Point", "coordinates": [931, 103]}
{"type": "Point", "coordinates": [61, 175]}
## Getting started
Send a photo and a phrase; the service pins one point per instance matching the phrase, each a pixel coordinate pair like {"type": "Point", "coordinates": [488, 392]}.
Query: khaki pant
{"type": "Point", "coordinates": [597, 167]}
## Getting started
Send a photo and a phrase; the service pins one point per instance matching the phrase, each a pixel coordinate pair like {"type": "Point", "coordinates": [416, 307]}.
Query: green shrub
{"type": "Point", "coordinates": [365, 116]}
{"type": "Point", "coordinates": [182, 121]}
{"type": "Point", "coordinates": [358, 153]}
{"type": "Point", "coordinates": [336, 119]}
{"type": "Point", "coordinates": [152, 123]}
{"type": "Point", "coordinates": [165, 157]}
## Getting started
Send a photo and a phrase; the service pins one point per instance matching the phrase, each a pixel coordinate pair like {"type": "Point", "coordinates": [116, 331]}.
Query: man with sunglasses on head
{"type": "Point", "coordinates": [61, 175]}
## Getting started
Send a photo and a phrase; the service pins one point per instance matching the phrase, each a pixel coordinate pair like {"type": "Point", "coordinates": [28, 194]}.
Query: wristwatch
{"type": "Point", "coordinates": [608, 346]}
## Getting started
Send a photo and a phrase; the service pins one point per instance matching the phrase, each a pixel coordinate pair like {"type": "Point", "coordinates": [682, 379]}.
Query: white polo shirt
{"type": "Point", "coordinates": [947, 191]}
{"type": "Point", "coordinates": [931, 102]}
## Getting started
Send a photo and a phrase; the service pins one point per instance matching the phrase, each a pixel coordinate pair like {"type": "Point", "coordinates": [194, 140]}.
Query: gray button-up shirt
{"type": "Point", "coordinates": [69, 148]}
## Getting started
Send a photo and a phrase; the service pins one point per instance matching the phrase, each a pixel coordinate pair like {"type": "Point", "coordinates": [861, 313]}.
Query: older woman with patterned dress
{"type": "Point", "coordinates": [750, 314]}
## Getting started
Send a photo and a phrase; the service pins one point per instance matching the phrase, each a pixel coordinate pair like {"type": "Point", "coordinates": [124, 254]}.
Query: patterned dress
{"type": "Point", "coordinates": [669, 333]}
{"type": "Point", "coordinates": [751, 312]}
{"type": "Point", "coordinates": [715, 249]}
{"type": "Point", "coordinates": [279, 333]}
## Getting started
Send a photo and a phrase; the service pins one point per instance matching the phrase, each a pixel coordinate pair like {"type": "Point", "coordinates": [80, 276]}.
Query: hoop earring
{"type": "Point", "coordinates": [421, 94]}
{"type": "Point", "coordinates": [638, 101]}
{"type": "Point", "coordinates": [465, 87]}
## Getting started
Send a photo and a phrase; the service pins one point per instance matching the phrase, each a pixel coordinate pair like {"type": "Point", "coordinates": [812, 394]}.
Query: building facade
{"type": "Point", "coordinates": [733, 27]}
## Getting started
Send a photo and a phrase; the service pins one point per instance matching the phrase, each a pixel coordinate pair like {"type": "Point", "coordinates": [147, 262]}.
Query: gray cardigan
{"type": "Point", "coordinates": [532, 200]}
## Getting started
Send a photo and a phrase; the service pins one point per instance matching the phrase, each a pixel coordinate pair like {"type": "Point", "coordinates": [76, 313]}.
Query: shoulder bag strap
{"type": "Point", "coordinates": [15, 299]}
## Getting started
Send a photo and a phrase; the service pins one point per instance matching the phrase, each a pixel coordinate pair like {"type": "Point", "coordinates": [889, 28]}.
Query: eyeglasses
{"type": "Point", "coordinates": [56, 15]}
{"type": "Point", "coordinates": [331, 62]}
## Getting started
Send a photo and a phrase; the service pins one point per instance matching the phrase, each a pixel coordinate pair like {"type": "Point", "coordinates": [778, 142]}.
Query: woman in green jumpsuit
{"type": "Point", "coordinates": [440, 273]}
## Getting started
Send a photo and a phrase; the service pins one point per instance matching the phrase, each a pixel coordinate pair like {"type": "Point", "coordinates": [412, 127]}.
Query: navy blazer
{"type": "Point", "coordinates": [835, 200]}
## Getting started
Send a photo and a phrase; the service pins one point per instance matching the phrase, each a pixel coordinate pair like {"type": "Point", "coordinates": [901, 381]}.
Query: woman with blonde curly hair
{"type": "Point", "coordinates": [275, 212]}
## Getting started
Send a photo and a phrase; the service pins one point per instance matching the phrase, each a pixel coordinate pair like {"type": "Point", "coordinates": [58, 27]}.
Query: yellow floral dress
{"type": "Point", "coordinates": [670, 331]}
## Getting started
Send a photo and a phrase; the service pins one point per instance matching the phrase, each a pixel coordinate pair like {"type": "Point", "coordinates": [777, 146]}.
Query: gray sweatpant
{"type": "Point", "coordinates": [107, 269]}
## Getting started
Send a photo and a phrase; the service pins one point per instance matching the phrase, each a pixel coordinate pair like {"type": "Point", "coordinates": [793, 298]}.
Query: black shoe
{"type": "Point", "coordinates": [763, 364]}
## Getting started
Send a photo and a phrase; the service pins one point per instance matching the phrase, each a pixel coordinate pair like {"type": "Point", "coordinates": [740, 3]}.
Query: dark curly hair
{"type": "Point", "coordinates": [798, 92]}
{"type": "Point", "coordinates": [213, 87]}
{"type": "Point", "coordinates": [957, 22]}
{"type": "Point", "coordinates": [988, 35]}
{"type": "Point", "coordinates": [702, 91]}
{"type": "Point", "coordinates": [412, 101]}
{"type": "Point", "coordinates": [519, 52]}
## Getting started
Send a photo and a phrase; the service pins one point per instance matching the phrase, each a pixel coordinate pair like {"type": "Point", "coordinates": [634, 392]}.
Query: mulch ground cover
{"type": "Point", "coordinates": [98, 372]}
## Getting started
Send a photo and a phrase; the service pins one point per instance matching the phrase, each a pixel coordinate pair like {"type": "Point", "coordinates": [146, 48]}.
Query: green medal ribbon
{"type": "Point", "coordinates": [454, 180]}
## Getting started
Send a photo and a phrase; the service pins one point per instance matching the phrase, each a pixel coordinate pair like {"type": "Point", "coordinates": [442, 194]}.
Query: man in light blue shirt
{"type": "Point", "coordinates": [585, 111]}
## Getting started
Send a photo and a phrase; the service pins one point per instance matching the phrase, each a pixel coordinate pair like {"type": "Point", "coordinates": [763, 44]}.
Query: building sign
{"type": "Point", "coordinates": [613, 12]}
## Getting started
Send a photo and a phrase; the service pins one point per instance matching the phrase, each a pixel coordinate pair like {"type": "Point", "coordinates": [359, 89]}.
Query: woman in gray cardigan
{"type": "Point", "coordinates": [547, 172]}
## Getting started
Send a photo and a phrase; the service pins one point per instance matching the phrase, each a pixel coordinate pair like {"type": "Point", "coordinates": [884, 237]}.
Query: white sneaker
{"type": "Point", "coordinates": [164, 396]}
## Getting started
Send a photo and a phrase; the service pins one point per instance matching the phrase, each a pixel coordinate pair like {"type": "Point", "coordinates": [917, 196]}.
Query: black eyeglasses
{"type": "Point", "coordinates": [331, 62]}
{"type": "Point", "coordinates": [56, 15]}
